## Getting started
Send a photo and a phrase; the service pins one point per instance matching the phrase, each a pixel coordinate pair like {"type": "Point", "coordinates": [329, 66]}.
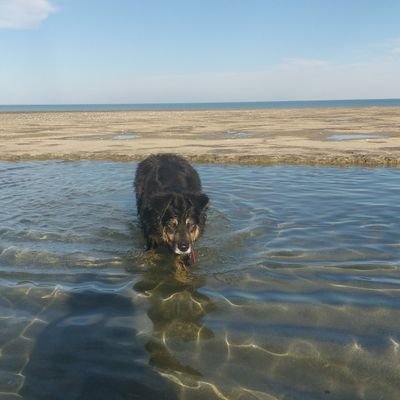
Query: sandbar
{"type": "Point", "coordinates": [323, 136]}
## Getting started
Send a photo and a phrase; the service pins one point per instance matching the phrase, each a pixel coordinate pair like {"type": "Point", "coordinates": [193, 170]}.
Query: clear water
{"type": "Point", "coordinates": [296, 294]}
{"type": "Point", "coordinates": [339, 137]}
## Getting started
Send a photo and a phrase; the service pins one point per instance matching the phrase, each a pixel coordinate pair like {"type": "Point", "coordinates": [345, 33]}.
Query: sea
{"type": "Point", "coordinates": [203, 106]}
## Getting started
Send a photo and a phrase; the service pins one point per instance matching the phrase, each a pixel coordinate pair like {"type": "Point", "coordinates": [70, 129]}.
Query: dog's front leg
{"type": "Point", "coordinates": [151, 243]}
{"type": "Point", "coordinates": [182, 270]}
{"type": "Point", "coordinates": [150, 258]}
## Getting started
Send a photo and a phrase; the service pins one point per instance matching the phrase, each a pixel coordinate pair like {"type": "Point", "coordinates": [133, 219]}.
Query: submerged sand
{"type": "Point", "coordinates": [334, 136]}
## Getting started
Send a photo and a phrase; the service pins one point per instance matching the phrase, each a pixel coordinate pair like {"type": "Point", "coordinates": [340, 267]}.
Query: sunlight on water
{"type": "Point", "coordinates": [296, 294]}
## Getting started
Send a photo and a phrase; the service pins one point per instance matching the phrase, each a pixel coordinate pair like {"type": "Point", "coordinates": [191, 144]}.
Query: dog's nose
{"type": "Point", "coordinates": [183, 247]}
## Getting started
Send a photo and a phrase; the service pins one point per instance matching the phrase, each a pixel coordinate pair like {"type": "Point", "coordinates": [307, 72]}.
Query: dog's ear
{"type": "Point", "coordinates": [199, 201]}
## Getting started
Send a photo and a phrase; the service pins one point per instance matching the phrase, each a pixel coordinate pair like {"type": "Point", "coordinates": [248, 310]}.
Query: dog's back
{"type": "Point", "coordinates": [164, 173]}
{"type": "Point", "coordinates": [170, 204]}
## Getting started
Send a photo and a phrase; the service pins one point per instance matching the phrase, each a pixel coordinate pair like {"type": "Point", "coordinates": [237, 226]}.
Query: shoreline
{"type": "Point", "coordinates": [368, 136]}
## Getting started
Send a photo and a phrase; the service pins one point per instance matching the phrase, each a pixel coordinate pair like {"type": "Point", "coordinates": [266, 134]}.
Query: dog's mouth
{"type": "Point", "coordinates": [189, 251]}
{"type": "Point", "coordinates": [177, 250]}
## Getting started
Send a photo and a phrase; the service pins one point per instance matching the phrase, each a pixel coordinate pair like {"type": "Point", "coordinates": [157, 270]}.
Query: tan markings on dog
{"type": "Point", "coordinates": [193, 229]}
{"type": "Point", "coordinates": [168, 231]}
{"type": "Point", "coordinates": [173, 222]}
{"type": "Point", "coordinates": [164, 235]}
{"type": "Point", "coordinates": [168, 236]}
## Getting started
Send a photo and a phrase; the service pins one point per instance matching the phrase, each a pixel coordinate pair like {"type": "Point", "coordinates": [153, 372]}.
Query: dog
{"type": "Point", "coordinates": [171, 205]}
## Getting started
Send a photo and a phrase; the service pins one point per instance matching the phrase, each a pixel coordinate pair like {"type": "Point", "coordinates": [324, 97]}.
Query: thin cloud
{"type": "Point", "coordinates": [24, 14]}
{"type": "Point", "coordinates": [394, 47]}
{"type": "Point", "coordinates": [389, 47]}
{"type": "Point", "coordinates": [319, 81]}
{"type": "Point", "coordinates": [393, 43]}
{"type": "Point", "coordinates": [303, 63]}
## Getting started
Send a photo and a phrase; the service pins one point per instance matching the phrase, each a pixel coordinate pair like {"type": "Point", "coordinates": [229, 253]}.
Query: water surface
{"type": "Point", "coordinates": [244, 105]}
{"type": "Point", "coordinates": [357, 136]}
{"type": "Point", "coordinates": [296, 294]}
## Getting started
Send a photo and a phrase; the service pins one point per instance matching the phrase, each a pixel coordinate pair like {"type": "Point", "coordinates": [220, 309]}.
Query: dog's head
{"type": "Point", "coordinates": [182, 218]}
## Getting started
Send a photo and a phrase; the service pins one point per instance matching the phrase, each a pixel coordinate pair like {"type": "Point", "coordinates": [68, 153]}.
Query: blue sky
{"type": "Point", "coordinates": [144, 51]}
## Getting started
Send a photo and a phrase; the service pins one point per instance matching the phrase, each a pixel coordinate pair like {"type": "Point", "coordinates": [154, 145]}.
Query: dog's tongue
{"type": "Point", "coordinates": [193, 255]}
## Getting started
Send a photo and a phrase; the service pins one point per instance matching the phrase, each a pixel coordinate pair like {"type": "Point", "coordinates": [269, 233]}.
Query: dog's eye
{"type": "Point", "coordinates": [171, 225]}
{"type": "Point", "coordinates": [191, 226]}
{"type": "Point", "coordinates": [170, 229]}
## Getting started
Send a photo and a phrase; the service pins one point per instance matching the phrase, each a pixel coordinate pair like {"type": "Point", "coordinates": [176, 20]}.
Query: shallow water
{"type": "Point", "coordinates": [340, 137]}
{"type": "Point", "coordinates": [296, 294]}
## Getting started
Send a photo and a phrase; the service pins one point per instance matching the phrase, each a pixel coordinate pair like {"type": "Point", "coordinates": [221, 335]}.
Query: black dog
{"type": "Point", "coordinates": [171, 207]}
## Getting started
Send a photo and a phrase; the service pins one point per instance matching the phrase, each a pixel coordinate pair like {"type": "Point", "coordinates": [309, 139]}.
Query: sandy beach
{"type": "Point", "coordinates": [330, 136]}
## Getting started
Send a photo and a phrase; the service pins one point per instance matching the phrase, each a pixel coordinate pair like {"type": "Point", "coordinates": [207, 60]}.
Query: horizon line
{"type": "Point", "coordinates": [199, 102]}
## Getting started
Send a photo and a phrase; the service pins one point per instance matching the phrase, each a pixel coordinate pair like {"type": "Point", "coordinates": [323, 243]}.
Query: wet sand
{"type": "Point", "coordinates": [335, 136]}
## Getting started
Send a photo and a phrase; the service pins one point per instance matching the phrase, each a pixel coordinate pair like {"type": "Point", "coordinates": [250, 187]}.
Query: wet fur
{"type": "Point", "coordinates": [170, 204]}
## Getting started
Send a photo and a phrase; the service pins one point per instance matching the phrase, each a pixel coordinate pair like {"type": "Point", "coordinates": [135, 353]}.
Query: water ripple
{"type": "Point", "coordinates": [296, 294]}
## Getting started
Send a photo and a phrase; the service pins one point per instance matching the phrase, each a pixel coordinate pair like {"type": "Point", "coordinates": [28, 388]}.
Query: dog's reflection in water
{"type": "Point", "coordinates": [176, 311]}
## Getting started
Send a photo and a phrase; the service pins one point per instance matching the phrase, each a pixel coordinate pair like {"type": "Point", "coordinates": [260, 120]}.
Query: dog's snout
{"type": "Point", "coordinates": [183, 246]}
